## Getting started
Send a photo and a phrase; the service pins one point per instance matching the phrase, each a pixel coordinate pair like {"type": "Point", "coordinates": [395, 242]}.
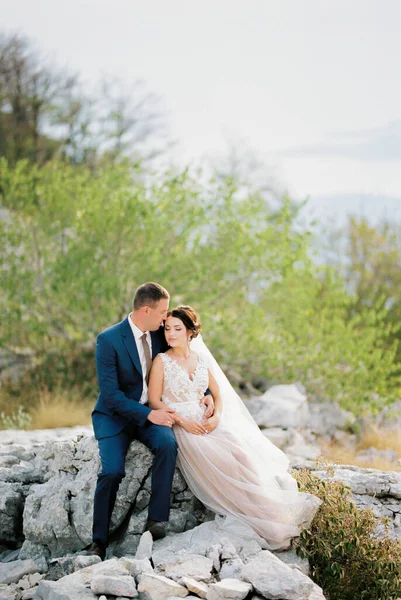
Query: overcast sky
{"type": "Point", "coordinates": [312, 86]}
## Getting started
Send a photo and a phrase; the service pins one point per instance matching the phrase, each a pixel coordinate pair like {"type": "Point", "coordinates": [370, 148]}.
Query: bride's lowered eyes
{"type": "Point", "coordinates": [167, 328]}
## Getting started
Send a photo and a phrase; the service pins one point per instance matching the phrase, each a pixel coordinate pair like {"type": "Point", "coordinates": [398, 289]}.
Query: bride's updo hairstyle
{"type": "Point", "coordinates": [188, 316]}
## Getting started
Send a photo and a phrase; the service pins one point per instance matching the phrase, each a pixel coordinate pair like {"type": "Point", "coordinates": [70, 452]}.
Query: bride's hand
{"type": "Point", "coordinates": [209, 403]}
{"type": "Point", "coordinates": [211, 423]}
{"type": "Point", "coordinates": [193, 427]}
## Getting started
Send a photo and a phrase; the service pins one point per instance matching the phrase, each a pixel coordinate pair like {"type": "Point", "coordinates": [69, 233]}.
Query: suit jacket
{"type": "Point", "coordinates": [120, 379]}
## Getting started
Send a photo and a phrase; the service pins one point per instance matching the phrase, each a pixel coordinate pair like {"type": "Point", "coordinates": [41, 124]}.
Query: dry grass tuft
{"type": "Point", "coordinates": [382, 439]}
{"type": "Point", "coordinates": [346, 455]}
{"type": "Point", "coordinates": [60, 408]}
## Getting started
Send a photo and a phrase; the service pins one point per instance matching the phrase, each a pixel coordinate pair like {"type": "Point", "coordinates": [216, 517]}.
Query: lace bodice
{"type": "Point", "coordinates": [182, 393]}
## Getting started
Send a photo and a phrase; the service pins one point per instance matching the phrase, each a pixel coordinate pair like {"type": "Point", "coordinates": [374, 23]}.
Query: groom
{"type": "Point", "coordinates": [124, 355]}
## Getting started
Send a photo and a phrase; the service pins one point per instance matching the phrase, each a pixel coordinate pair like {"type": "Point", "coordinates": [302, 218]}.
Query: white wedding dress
{"type": "Point", "coordinates": [234, 470]}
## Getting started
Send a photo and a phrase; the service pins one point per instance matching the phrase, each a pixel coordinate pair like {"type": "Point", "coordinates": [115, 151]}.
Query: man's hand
{"type": "Point", "coordinates": [164, 416]}
{"type": "Point", "coordinates": [209, 403]}
{"type": "Point", "coordinates": [211, 423]}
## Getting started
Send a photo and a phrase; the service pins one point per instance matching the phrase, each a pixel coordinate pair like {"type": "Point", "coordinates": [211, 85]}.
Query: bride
{"type": "Point", "coordinates": [227, 462]}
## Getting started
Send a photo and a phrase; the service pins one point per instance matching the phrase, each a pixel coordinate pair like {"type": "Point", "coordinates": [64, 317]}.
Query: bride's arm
{"type": "Point", "coordinates": [155, 384]}
{"type": "Point", "coordinates": [155, 388]}
{"type": "Point", "coordinates": [213, 421]}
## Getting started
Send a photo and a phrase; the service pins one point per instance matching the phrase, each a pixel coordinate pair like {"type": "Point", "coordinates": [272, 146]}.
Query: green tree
{"type": "Point", "coordinates": [45, 113]}
{"type": "Point", "coordinates": [368, 257]}
{"type": "Point", "coordinates": [77, 242]}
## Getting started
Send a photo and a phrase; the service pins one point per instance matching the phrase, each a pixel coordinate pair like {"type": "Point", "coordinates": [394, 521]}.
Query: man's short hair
{"type": "Point", "coordinates": [149, 294]}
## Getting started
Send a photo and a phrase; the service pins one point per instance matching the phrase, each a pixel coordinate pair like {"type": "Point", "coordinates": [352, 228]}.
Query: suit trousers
{"type": "Point", "coordinates": [161, 441]}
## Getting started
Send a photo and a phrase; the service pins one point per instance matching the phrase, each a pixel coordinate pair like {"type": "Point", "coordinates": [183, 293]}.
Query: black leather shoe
{"type": "Point", "coordinates": [156, 528]}
{"type": "Point", "coordinates": [96, 549]}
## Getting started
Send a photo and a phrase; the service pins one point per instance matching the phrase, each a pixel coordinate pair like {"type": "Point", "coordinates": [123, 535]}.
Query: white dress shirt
{"type": "Point", "coordinates": [137, 333]}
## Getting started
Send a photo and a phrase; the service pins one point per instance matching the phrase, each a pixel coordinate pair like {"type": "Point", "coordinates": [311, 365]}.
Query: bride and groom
{"type": "Point", "coordinates": [161, 386]}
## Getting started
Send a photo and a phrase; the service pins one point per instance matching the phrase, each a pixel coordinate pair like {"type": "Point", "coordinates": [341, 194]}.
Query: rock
{"type": "Point", "coordinates": [35, 551]}
{"type": "Point", "coordinates": [274, 579]}
{"type": "Point", "coordinates": [214, 553]}
{"type": "Point", "coordinates": [317, 594]}
{"type": "Point", "coordinates": [278, 436]}
{"type": "Point", "coordinates": [232, 569]}
{"type": "Point", "coordinates": [389, 418]}
{"type": "Point", "coordinates": [115, 586]}
{"type": "Point", "coordinates": [77, 585]}
{"type": "Point", "coordinates": [10, 555]}
{"type": "Point", "coordinates": [281, 406]}
{"type": "Point", "coordinates": [177, 521]}
{"type": "Point", "coordinates": [8, 594]}
{"type": "Point", "coordinates": [53, 590]}
{"type": "Point", "coordinates": [12, 572]}
{"type": "Point", "coordinates": [290, 558]}
{"type": "Point", "coordinates": [124, 547]}
{"type": "Point", "coordinates": [60, 567]}
{"type": "Point", "coordinates": [202, 539]}
{"type": "Point", "coordinates": [11, 507]}
{"type": "Point", "coordinates": [199, 588]}
{"type": "Point", "coordinates": [142, 499]}
{"type": "Point", "coordinates": [371, 454]}
{"type": "Point", "coordinates": [228, 551]}
{"type": "Point", "coordinates": [51, 498]}
{"type": "Point", "coordinates": [366, 481]}
{"type": "Point", "coordinates": [230, 589]}
{"type": "Point", "coordinates": [27, 439]}
{"type": "Point", "coordinates": [137, 523]}
{"type": "Point", "coordinates": [300, 448]}
{"type": "Point", "coordinates": [139, 566]}
{"type": "Point", "coordinates": [326, 418]}
{"type": "Point", "coordinates": [69, 470]}
{"type": "Point", "coordinates": [29, 594]}
{"type": "Point", "coordinates": [158, 587]}
{"type": "Point", "coordinates": [145, 546]}
{"type": "Point", "coordinates": [175, 566]}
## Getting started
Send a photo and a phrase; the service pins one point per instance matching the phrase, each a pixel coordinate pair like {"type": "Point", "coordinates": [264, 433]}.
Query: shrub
{"type": "Point", "coordinates": [346, 558]}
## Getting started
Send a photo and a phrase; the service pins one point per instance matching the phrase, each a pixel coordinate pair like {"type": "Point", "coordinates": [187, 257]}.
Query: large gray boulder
{"type": "Point", "coordinates": [282, 406]}
{"type": "Point", "coordinates": [47, 490]}
{"type": "Point", "coordinates": [276, 580]}
{"type": "Point", "coordinates": [327, 418]}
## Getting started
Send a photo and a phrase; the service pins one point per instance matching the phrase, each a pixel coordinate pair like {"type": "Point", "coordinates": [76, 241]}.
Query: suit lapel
{"type": "Point", "coordinates": [130, 344]}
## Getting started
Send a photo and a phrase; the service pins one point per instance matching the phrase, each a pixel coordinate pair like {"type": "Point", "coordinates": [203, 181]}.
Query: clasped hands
{"type": "Point", "coordinates": [168, 417]}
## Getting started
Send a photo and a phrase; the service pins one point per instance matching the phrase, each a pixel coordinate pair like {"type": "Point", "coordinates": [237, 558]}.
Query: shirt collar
{"type": "Point", "coordinates": [135, 330]}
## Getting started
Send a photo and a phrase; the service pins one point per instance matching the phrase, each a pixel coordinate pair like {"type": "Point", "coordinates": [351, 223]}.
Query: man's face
{"type": "Point", "coordinates": [157, 314]}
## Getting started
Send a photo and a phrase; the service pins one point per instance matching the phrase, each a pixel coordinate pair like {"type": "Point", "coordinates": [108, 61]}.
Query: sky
{"type": "Point", "coordinates": [312, 87]}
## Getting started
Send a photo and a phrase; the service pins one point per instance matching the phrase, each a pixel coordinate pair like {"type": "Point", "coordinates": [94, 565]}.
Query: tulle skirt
{"type": "Point", "coordinates": [223, 473]}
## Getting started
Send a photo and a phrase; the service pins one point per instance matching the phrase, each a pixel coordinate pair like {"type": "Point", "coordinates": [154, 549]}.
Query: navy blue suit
{"type": "Point", "coordinates": [118, 418]}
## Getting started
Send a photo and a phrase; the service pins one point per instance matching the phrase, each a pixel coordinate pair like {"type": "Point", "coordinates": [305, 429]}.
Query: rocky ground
{"type": "Point", "coordinates": [47, 481]}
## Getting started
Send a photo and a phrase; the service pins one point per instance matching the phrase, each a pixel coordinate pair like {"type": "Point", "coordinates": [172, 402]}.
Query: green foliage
{"type": "Point", "coordinates": [76, 243]}
{"type": "Point", "coordinates": [350, 358]}
{"type": "Point", "coordinates": [346, 558]}
{"type": "Point", "coordinates": [371, 268]}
